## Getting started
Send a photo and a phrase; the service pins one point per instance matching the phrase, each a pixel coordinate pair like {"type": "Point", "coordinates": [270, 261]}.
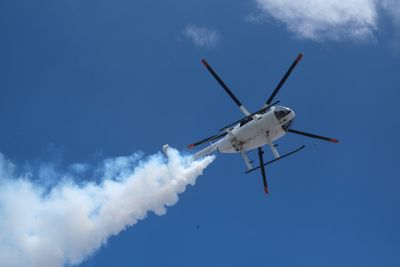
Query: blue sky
{"type": "Point", "coordinates": [87, 80]}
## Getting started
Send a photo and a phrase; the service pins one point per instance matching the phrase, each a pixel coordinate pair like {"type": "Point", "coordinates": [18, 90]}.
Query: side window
{"type": "Point", "coordinates": [287, 125]}
{"type": "Point", "coordinates": [246, 121]}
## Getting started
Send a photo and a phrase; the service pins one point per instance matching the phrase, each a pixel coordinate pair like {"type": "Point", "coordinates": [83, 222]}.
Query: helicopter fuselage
{"type": "Point", "coordinates": [259, 130]}
{"type": "Point", "coordinates": [263, 128]}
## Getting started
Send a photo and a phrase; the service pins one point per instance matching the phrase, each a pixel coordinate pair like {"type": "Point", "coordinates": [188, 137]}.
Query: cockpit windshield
{"type": "Point", "coordinates": [281, 113]}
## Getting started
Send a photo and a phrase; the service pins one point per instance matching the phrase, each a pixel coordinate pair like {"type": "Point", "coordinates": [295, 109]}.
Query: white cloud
{"type": "Point", "coordinates": [330, 19]}
{"type": "Point", "coordinates": [202, 37]}
{"type": "Point", "coordinates": [79, 167]}
{"type": "Point", "coordinates": [392, 7]}
{"type": "Point", "coordinates": [69, 222]}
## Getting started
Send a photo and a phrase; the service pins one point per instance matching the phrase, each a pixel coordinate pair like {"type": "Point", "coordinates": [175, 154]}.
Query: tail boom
{"type": "Point", "coordinates": [206, 151]}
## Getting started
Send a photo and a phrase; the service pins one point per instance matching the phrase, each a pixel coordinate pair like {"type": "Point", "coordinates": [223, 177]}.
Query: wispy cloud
{"type": "Point", "coordinates": [392, 7]}
{"type": "Point", "coordinates": [202, 37]}
{"type": "Point", "coordinates": [330, 19]}
{"type": "Point", "coordinates": [79, 168]}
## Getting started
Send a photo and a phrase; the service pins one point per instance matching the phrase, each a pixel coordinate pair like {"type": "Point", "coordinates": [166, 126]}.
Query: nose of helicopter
{"type": "Point", "coordinates": [285, 116]}
{"type": "Point", "coordinates": [284, 113]}
{"type": "Point", "coordinates": [291, 115]}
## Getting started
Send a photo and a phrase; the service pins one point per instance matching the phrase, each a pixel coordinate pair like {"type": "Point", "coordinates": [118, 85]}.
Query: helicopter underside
{"type": "Point", "coordinates": [262, 130]}
{"type": "Point", "coordinates": [255, 130]}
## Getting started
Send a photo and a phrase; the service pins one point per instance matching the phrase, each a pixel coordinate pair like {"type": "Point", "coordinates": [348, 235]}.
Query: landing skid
{"type": "Point", "coordinates": [279, 158]}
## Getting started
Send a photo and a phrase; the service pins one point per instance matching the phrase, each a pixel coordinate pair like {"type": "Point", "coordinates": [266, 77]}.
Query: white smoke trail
{"type": "Point", "coordinates": [68, 223]}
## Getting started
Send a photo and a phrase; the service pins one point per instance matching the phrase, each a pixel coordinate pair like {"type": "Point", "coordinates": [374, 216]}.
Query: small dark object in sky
{"type": "Point", "coordinates": [197, 226]}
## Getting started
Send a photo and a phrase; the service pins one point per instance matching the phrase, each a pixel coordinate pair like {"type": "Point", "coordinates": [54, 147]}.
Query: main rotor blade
{"type": "Point", "coordinates": [227, 90]}
{"type": "Point", "coordinates": [283, 80]}
{"type": "Point", "coordinates": [333, 140]}
{"type": "Point", "coordinates": [208, 139]}
{"type": "Point", "coordinates": [260, 155]}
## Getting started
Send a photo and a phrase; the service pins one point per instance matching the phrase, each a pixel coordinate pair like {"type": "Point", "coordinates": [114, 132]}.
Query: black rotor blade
{"type": "Point", "coordinates": [208, 139]}
{"type": "Point", "coordinates": [260, 155]}
{"type": "Point", "coordinates": [221, 82]}
{"type": "Point", "coordinates": [333, 140]}
{"type": "Point", "coordinates": [285, 77]}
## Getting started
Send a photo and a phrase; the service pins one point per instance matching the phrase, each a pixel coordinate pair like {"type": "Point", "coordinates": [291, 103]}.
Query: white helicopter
{"type": "Point", "coordinates": [255, 130]}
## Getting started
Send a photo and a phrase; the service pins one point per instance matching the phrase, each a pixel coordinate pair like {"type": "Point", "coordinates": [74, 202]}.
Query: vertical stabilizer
{"type": "Point", "coordinates": [165, 149]}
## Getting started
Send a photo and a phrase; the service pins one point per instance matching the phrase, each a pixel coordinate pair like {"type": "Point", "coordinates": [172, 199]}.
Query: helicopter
{"type": "Point", "coordinates": [256, 129]}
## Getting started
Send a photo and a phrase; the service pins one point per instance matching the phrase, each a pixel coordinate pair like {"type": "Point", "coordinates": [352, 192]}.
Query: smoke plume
{"type": "Point", "coordinates": [68, 222]}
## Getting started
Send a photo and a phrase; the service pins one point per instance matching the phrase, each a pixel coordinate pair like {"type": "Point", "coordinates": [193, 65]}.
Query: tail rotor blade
{"type": "Point", "coordinates": [284, 78]}
{"type": "Point", "coordinates": [260, 155]}
{"type": "Point", "coordinates": [333, 140]}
